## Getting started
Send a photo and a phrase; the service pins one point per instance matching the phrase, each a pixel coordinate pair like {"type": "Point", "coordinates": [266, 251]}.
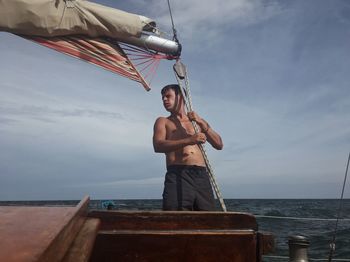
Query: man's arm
{"type": "Point", "coordinates": [213, 138]}
{"type": "Point", "coordinates": [163, 145]}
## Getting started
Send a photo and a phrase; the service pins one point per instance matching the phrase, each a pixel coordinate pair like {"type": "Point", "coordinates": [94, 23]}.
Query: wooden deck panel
{"type": "Point", "coordinates": [176, 236]}
{"type": "Point", "coordinates": [56, 233]}
{"type": "Point", "coordinates": [265, 243]}
{"type": "Point", "coordinates": [39, 233]}
{"type": "Point", "coordinates": [170, 220]}
{"type": "Point", "coordinates": [175, 246]}
{"type": "Point", "coordinates": [82, 246]}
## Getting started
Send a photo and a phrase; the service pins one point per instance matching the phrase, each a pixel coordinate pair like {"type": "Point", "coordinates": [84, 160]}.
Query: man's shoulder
{"type": "Point", "coordinates": [161, 124]}
{"type": "Point", "coordinates": [162, 119]}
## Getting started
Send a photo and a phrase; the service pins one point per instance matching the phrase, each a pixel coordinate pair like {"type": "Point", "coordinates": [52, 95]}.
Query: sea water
{"type": "Point", "coordinates": [281, 217]}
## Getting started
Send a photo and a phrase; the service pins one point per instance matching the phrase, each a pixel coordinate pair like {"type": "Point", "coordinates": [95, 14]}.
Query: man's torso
{"type": "Point", "coordinates": [188, 155]}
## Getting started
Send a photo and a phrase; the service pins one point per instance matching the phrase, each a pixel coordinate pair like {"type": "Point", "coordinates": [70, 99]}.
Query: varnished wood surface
{"type": "Point", "coordinates": [158, 220]}
{"type": "Point", "coordinates": [55, 233]}
{"type": "Point", "coordinates": [187, 232]}
{"type": "Point", "coordinates": [175, 246]}
{"type": "Point", "coordinates": [266, 243]}
{"type": "Point", "coordinates": [39, 233]}
{"type": "Point", "coordinates": [82, 246]}
{"type": "Point", "coordinates": [177, 236]}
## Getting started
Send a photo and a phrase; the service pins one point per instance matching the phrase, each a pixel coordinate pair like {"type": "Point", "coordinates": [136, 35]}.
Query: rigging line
{"type": "Point", "coordinates": [311, 259]}
{"type": "Point", "coordinates": [149, 60]}
{"type": "Point", "coordinates": [137, 51]}
{"type": "Point", "coordinates": [158, 30]}
{"type": "Point", "coordinates": [134, 48]}
{"type": "Point", "coordinates": [139, 55]}
{"type": "Point", "coordinates": [188, 104]}
{"type": "Point", "coordinates": [155, 67]}
{"type": "Point", "coordinates": [302, 218]}
{"type": "Point", "coordinates": [152, 56]}
{"type": "Point", "coordinates": [151, 69]}
{"type": "Point", "coordinates": [141, 58]}
{"type": "Point", "coordinates": [203, 151]}
{"type": "Point", "coordinates": [172, 22]}
{"type": "Point", "coordinates": [332, 245]}
{"type": "Point", "coordinates": [334, 259]}
{"type": "Point", "coordinates": [202, 148]}
{"type": "Point", "coordinates": [147, 66]}
{"type": "Point", "coordinates": [139, 76]}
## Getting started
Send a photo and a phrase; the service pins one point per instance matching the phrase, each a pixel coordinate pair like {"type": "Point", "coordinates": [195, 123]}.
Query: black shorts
{"type": "Point", "coordinates": [187, 188]}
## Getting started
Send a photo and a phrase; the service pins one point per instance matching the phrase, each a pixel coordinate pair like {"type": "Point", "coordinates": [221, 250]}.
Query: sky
{"type": "Point", "coordinates": [271, 77]}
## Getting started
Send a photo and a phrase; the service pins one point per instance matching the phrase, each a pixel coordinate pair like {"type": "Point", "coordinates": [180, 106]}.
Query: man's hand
{"type": "Point", "coordinates": [213, 138]}
{"type": "Point", "coordinates": [199, 138]}
{"type": "Point", "coordinates": [193, 116]}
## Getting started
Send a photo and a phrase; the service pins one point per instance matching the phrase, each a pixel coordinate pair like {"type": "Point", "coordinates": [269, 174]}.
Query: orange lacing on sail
{"type": "Point", "coordinates": [135, 63]}
{"type": "Point", "coordinates": [144, 60]}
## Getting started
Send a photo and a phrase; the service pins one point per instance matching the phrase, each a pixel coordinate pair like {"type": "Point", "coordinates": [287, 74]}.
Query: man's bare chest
{"type": "Point", "coordinates": [178, 130]}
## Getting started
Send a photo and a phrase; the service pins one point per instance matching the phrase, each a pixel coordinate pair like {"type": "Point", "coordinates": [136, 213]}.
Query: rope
{"type": "Point", "coordinates": [311, 259]}
{"type": "Point", "coordinates": [157, 31]}
{"type": "Point", "coordinates": [332, 245]}
{"type": "Point", "coordinates": [324, 259]}
{"type": "Point", "coordinates": [189, 108]}
{"type": "Point", "coordinates": [144, 60]}
{"type": "Point", "coordinates": [277, 257]}
{"type": "Point", "coordinates": [172, 22]}
{"type": "Point", "coordinates": [302, 218]}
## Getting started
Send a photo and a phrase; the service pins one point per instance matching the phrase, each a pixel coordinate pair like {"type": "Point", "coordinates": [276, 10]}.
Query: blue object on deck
{"type": "Point", "coordinates": [108, 204]}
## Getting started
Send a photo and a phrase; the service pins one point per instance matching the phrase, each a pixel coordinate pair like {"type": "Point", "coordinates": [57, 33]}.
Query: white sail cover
{"type": "Point", "coordinates": [86, 31]}
{"type": "Point", "coordinates": [69, 17]}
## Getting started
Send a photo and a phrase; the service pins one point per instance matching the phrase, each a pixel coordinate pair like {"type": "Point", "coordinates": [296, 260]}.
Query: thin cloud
{"type": "Point", "coordinates": [274, 86]}
{"type": "Point", "coordinates": [199, 20]}
{"type": "Point", "coordinates": [152, 181]}
{"type": "Point", "coordinates": [43, 112]}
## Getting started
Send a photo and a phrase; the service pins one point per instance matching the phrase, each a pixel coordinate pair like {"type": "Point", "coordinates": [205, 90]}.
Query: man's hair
{"type": "Point", "coordinates": [174, 87]}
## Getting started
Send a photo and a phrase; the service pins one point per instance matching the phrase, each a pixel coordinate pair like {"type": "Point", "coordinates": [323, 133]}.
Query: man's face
{"type": "Point", "coordinates": [170, 100]}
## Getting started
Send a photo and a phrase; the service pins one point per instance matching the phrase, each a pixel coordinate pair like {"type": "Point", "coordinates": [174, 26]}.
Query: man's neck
{"type": "Point", "coordinates": [180, 115]}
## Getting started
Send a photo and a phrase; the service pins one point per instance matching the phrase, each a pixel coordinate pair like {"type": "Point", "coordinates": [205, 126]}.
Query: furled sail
{"type": "Point", "coordinates": [91, 32]}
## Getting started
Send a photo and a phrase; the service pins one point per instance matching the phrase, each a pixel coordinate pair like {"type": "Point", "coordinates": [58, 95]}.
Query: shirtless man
{"type": "Point", "coordinates": [187, 185]}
